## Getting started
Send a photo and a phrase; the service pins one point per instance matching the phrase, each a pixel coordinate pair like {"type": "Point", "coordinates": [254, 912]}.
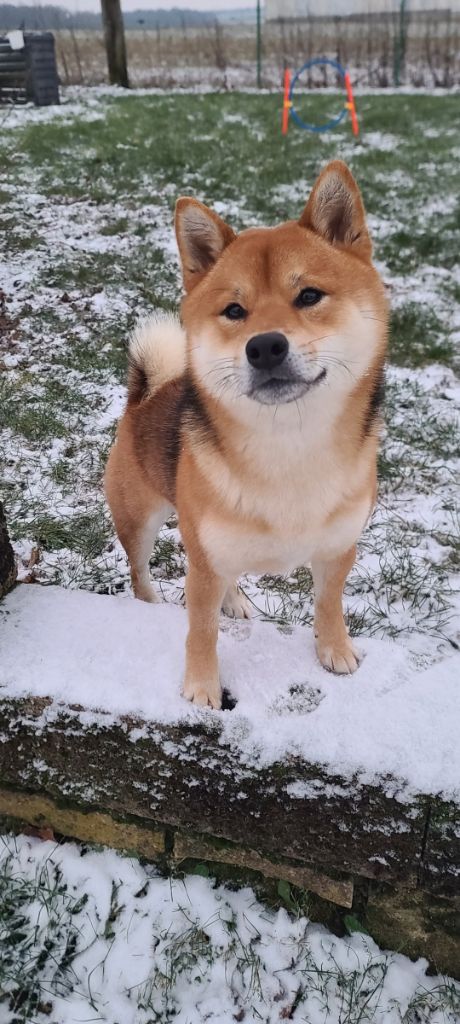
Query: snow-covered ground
{"type": "Point", "coordinates": [86, 193]}
{"type": "Point", "coordinates": [124, 657]}
{"type": "Point", "coordinates": [97, 937]}
{"type": "Point", "coordinates": [73, 277]}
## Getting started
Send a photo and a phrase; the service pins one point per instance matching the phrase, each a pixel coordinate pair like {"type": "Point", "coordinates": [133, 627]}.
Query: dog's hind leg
{"type": "Point", "coordinates": [138, 514]}
{"type": "Point", "coordinates": [139, 547]}
{"type": "Point", "coordinates": [138, 538]}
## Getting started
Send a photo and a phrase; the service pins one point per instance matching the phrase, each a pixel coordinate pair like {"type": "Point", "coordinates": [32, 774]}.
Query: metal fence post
{"type": "Point", "coordinates": [400, 43]}
{"type": "Point", "coordinates": [259, 46]}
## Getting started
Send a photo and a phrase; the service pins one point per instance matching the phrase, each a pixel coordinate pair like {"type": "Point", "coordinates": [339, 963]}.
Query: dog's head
{"type": "Point", "coordinates": [273, 314]}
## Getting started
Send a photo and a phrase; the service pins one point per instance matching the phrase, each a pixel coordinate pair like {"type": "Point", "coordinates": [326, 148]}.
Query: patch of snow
{"type": "Point", "coordinates": [383, 141]}
{"type": "Point", "coordinates": [125, 657]}
{"type": "Point", "coordinates": [186, 950]}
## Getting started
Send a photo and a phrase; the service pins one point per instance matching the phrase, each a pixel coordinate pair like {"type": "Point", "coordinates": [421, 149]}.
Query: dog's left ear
{"type": "Point", "coordinates": [202, 237]}
{"type": "Point", "coordinates": [335, 210]}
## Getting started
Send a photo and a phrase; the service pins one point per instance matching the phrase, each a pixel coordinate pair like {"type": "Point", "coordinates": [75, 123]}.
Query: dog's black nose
{"type": "Point", "coordinates": [264, 351]}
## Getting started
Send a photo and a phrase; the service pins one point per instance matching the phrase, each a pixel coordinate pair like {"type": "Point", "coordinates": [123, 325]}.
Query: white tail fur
{"type": "Point", "coordinates": [157, 353]}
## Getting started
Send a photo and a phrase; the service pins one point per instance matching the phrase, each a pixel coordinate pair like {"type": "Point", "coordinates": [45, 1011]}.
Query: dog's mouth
{"type": "Point", "coordinates": [281, 390]}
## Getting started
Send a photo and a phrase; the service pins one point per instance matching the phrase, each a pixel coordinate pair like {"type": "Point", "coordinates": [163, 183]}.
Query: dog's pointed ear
{"type": "Point", "coordinates": [201, 236]}
{"type": "Point", "coordinates": [335, 210]}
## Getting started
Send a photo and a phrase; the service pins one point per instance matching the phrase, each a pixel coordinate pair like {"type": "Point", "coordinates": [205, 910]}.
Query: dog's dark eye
{"type": "Point", "coordinates": [308, 297]}
{"type": "Point", "coordinates": [234, 312]}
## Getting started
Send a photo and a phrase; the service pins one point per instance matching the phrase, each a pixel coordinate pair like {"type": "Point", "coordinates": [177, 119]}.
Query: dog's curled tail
{"type": "Point", "coordinates": [156, 355]}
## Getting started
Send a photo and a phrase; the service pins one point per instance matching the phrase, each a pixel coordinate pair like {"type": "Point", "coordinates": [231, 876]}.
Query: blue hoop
{"type": "Point", "coordinates": [335, 120]}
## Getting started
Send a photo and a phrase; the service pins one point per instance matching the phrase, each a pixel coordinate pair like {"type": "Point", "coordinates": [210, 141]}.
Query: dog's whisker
{"type": "Point", "coordinates": [368, 314]}
{"type": "Point", "coordinates": [221, 364]}
{"type": "Point", "coordinates": [333, 362]}
{"type": "Point", "coordinates": [308, 344]}
{"type": "Point", "coordinates": [225, 372]}
{"type": "Point", "coordinates": [227, 383]}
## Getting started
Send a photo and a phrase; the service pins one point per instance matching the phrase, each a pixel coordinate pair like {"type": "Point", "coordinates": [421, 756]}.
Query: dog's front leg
{"type": "Point", "coordinates": [335, 650]}
{"type": "Point", "coordinates": [204, 592]}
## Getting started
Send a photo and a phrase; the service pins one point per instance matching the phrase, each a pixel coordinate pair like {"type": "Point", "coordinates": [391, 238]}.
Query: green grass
{"type": "Point", "coordinates": [32, 418]}
{"type": "Point", "coordinates": [417, 337]}
{"type": "Point", "coordinates": [35, 961]}
{"type": "Point", "coordinates": [185, 140]}
{"type": "Point", "coordinates": [204, 151]}
{"type": "Point", "coordinates": [87, 534]}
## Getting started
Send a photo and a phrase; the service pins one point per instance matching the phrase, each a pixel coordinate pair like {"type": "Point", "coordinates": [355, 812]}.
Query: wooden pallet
{"type": "Point", "coordinates": [29, 74]}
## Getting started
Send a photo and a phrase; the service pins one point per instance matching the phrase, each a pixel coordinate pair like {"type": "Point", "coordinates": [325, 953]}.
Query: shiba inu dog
{"type": "Point", "coordinates": [257, 418]}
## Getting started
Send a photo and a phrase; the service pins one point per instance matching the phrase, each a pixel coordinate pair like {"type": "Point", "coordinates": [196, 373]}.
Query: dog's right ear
{"type": "Point", "coordinates": [335, 210]}
{"type": "Point", "coordinates": [201, 236]}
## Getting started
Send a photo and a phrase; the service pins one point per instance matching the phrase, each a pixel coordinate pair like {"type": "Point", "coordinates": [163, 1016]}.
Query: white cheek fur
{"type": "Point", "coordinates": [345, 355]}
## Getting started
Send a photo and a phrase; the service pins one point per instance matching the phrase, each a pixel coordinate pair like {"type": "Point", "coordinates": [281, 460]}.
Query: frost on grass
{"type": "Point", "coordinates": [97, 936]}
{"type": "Point", "coordinates": [88, 208]}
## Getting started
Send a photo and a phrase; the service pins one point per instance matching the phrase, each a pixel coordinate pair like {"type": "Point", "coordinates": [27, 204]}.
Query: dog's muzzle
{"type": "Point", "coordinates": [274, 379]}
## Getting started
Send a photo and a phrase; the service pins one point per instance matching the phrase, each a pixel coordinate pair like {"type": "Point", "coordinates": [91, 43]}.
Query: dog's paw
{"type": "Point", "coordinates": [341, 658]}
{"type": "Point", "coordinates": [146, 593]}
{"type": "Point", "coordinates": [203, 694]}
{"type": "Point", "coordinates": [236, 604]}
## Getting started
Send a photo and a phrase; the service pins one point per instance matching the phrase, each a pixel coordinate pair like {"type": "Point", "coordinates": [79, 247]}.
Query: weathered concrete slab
{"type": "Point", "coordinates": [440, 867]}
{"type": "Point", "coordinates": [89, 826]}
{"type": "Point", "coordinates": [201, 848]}
{"type": "Point", "coordinates": [387, 723]}
{"type": "Point", "coordinates": [184, 777]}
{"type": "Point", "coordinates": [416, 923]}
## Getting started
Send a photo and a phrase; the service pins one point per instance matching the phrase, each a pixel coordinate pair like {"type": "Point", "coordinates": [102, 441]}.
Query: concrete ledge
{"type": "Point", "coordinates": [405, 918]}
{"type": "Point", "coordinates": [88, 826]}
{"type": "Point", "coordinates": [183, 777]}
{"type": "Point", "coordinates": [191, 847]}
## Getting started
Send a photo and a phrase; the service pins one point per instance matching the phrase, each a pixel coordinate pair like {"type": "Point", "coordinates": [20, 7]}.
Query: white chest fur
{"type": "Point", "coordinates": [277, 521]}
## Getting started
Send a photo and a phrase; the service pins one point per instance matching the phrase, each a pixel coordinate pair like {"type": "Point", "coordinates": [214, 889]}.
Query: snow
{"type": "Point", "coordinates": [188, 951]}
{"type": "Point", "coordinates": [120, 656]}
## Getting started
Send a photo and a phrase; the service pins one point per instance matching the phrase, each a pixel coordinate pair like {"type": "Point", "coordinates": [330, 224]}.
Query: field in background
{"type": "Point", "coordinates": [223, 54]}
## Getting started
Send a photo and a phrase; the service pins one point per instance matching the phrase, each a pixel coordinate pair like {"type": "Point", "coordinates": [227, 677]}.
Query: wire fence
{"type": "Point", "coordinates": [381, 51]}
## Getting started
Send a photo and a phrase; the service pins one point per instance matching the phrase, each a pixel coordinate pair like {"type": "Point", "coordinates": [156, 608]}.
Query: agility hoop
{"type": "Point", "coordinates": [288, 101]}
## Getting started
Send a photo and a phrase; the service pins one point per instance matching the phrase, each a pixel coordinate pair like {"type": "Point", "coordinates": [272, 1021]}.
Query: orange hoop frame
{"type": "Point", "coordinates": [288, 104]}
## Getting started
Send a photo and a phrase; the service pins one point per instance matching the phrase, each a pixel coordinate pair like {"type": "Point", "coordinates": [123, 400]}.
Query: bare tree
{"type": "Point", "coordinates": [76, 50]}
{"type": "Point", "coordinates": [219, 46]}
{"type": "Point", "coordinates": [115, 45]}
